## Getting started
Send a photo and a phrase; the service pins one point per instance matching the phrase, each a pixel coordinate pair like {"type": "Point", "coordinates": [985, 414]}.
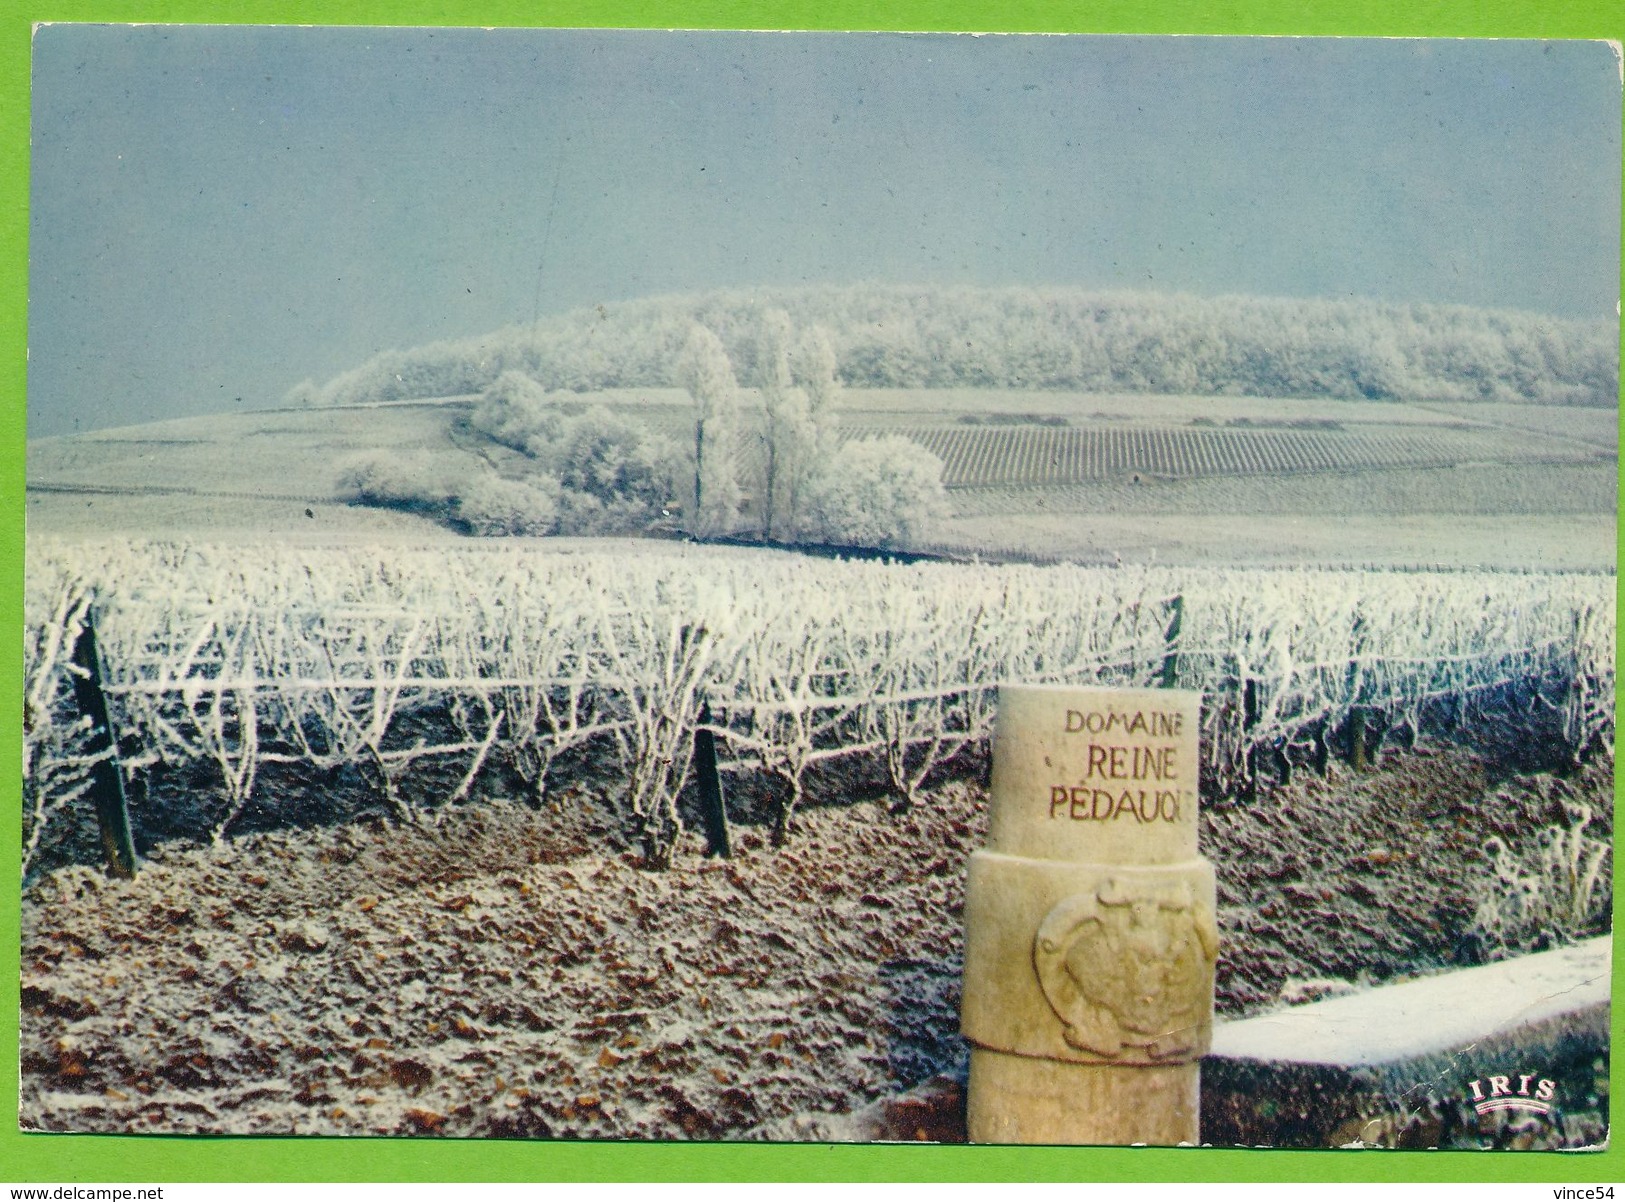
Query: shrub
{"type": "Point", "coordinates": [413, 478]}
{"type": "Point", "coordinates": [604, 475]}
{"type": "Point", "coordinates": [581, 513]}
{"type": "Point", "coordinates": [514, 411]}
{"type": "Point", "coordinates": [881, 492]}
{"type": "Point", "coordinates": [454, 488]}
{"type": "Point", "coordinates": [611, 459]}
{"type": "Point", "coordinates": [1555, 888]}
{"type": "Point", "coordinates": [492, 506]}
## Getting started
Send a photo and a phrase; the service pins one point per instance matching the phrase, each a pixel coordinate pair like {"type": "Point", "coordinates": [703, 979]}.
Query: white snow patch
{"type": "Point", "coordinates": [1434, 1014]}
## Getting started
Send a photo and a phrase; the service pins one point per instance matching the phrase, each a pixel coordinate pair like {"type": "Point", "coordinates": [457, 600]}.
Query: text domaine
{"type": "Point", "coordinates": [1156, 723]}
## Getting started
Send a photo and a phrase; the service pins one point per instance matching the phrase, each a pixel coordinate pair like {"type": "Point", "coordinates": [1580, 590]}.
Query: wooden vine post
{"type": "Point", "coordinates": [1090, 939]}
{"type": "Point", "coordinates": [106, 777]}
{"type": "Point", "coordinates": [713, 811]}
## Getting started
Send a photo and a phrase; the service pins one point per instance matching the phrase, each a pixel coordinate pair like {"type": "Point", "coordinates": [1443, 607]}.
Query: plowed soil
{"type": "Point", "coordinates": [515, 972]}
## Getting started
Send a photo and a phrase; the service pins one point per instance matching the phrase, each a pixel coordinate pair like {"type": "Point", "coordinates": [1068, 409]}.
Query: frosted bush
{"type": "Point", "coordinates": [879, 492]}
{"type": "Point", "coordinates": [606, 476]}
{"type": "Point", "coordinates": [613, 460]}
{"type": "Point", "coordinates": [514, 411]}
{"type": "Point", "coordinates": [492, 506]}
{"type": "Point", "coordinates": [402, 477]}
{"type": "Point", "coordinates": [1553, 888]}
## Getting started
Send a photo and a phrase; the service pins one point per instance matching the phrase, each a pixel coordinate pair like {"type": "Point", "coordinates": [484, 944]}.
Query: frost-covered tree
{"type": "Point", "coordinates": [592, 472]}
{"type": "Point", "coordinates": [790, 431]}
{"type": "Point", "coordinates": [903, 336]}
{"type": "Point", "coordinates": [813, 367]}
{"type": "Point", "coordinates": [705, 371]}
{"type": "Point", "coordinates": [880, 492]}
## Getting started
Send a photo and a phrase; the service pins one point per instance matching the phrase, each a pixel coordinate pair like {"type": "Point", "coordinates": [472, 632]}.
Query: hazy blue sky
{"type": "Point", "coordinates": [218, 213]}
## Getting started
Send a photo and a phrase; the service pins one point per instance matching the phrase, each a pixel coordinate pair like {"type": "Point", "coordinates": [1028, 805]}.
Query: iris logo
{"type": "Point", "coordinates": [1498, 1093]}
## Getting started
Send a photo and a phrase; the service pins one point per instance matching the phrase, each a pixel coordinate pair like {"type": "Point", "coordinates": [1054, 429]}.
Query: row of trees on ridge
{"type": "Point", "coordinates": [1063, 339]}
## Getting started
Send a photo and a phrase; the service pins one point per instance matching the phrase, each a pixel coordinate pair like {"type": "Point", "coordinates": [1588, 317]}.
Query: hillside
{"type": "Point", "coordinates": [1391, 483]}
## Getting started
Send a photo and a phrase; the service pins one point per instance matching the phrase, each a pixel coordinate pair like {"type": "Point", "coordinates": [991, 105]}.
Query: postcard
{"type": "Point", "coordinates": [820, 587]}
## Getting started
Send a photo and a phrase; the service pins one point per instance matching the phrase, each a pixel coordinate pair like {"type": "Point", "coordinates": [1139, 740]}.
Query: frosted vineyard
{"type": "Point", "coordinates": [984, 456]}
{"type": "Point", "coordinates": [522, 653]}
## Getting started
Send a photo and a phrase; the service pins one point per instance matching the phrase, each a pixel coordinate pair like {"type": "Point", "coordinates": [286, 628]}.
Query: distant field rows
{"type": "Point", "coordinates": [995, 456]}
{"type": "Point", "coordinates": [982, 457]}
{"type": "Point", "coordinates": [1555, 488]}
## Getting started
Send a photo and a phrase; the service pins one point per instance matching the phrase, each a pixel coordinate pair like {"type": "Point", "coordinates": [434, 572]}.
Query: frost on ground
{"type": "Point", "coordinates": [498, 975]}
{"type": "Point", "coordinates": [515, 973]}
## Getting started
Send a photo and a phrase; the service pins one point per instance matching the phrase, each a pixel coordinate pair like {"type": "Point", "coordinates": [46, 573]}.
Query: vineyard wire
{"type": "Point", "coordinates": [1482, 630]}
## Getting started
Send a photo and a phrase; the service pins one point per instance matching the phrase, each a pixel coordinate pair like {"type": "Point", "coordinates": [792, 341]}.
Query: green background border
{"type": "Point", "coordinates": [56, 1159]}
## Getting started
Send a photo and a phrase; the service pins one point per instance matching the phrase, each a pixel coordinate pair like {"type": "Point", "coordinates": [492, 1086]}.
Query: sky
{"type": "Point", "coordinates": [218, 213]}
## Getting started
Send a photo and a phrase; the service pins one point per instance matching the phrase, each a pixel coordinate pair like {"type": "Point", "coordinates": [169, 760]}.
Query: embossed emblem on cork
{"type": "Point", "coordinates": [1128, 969]}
